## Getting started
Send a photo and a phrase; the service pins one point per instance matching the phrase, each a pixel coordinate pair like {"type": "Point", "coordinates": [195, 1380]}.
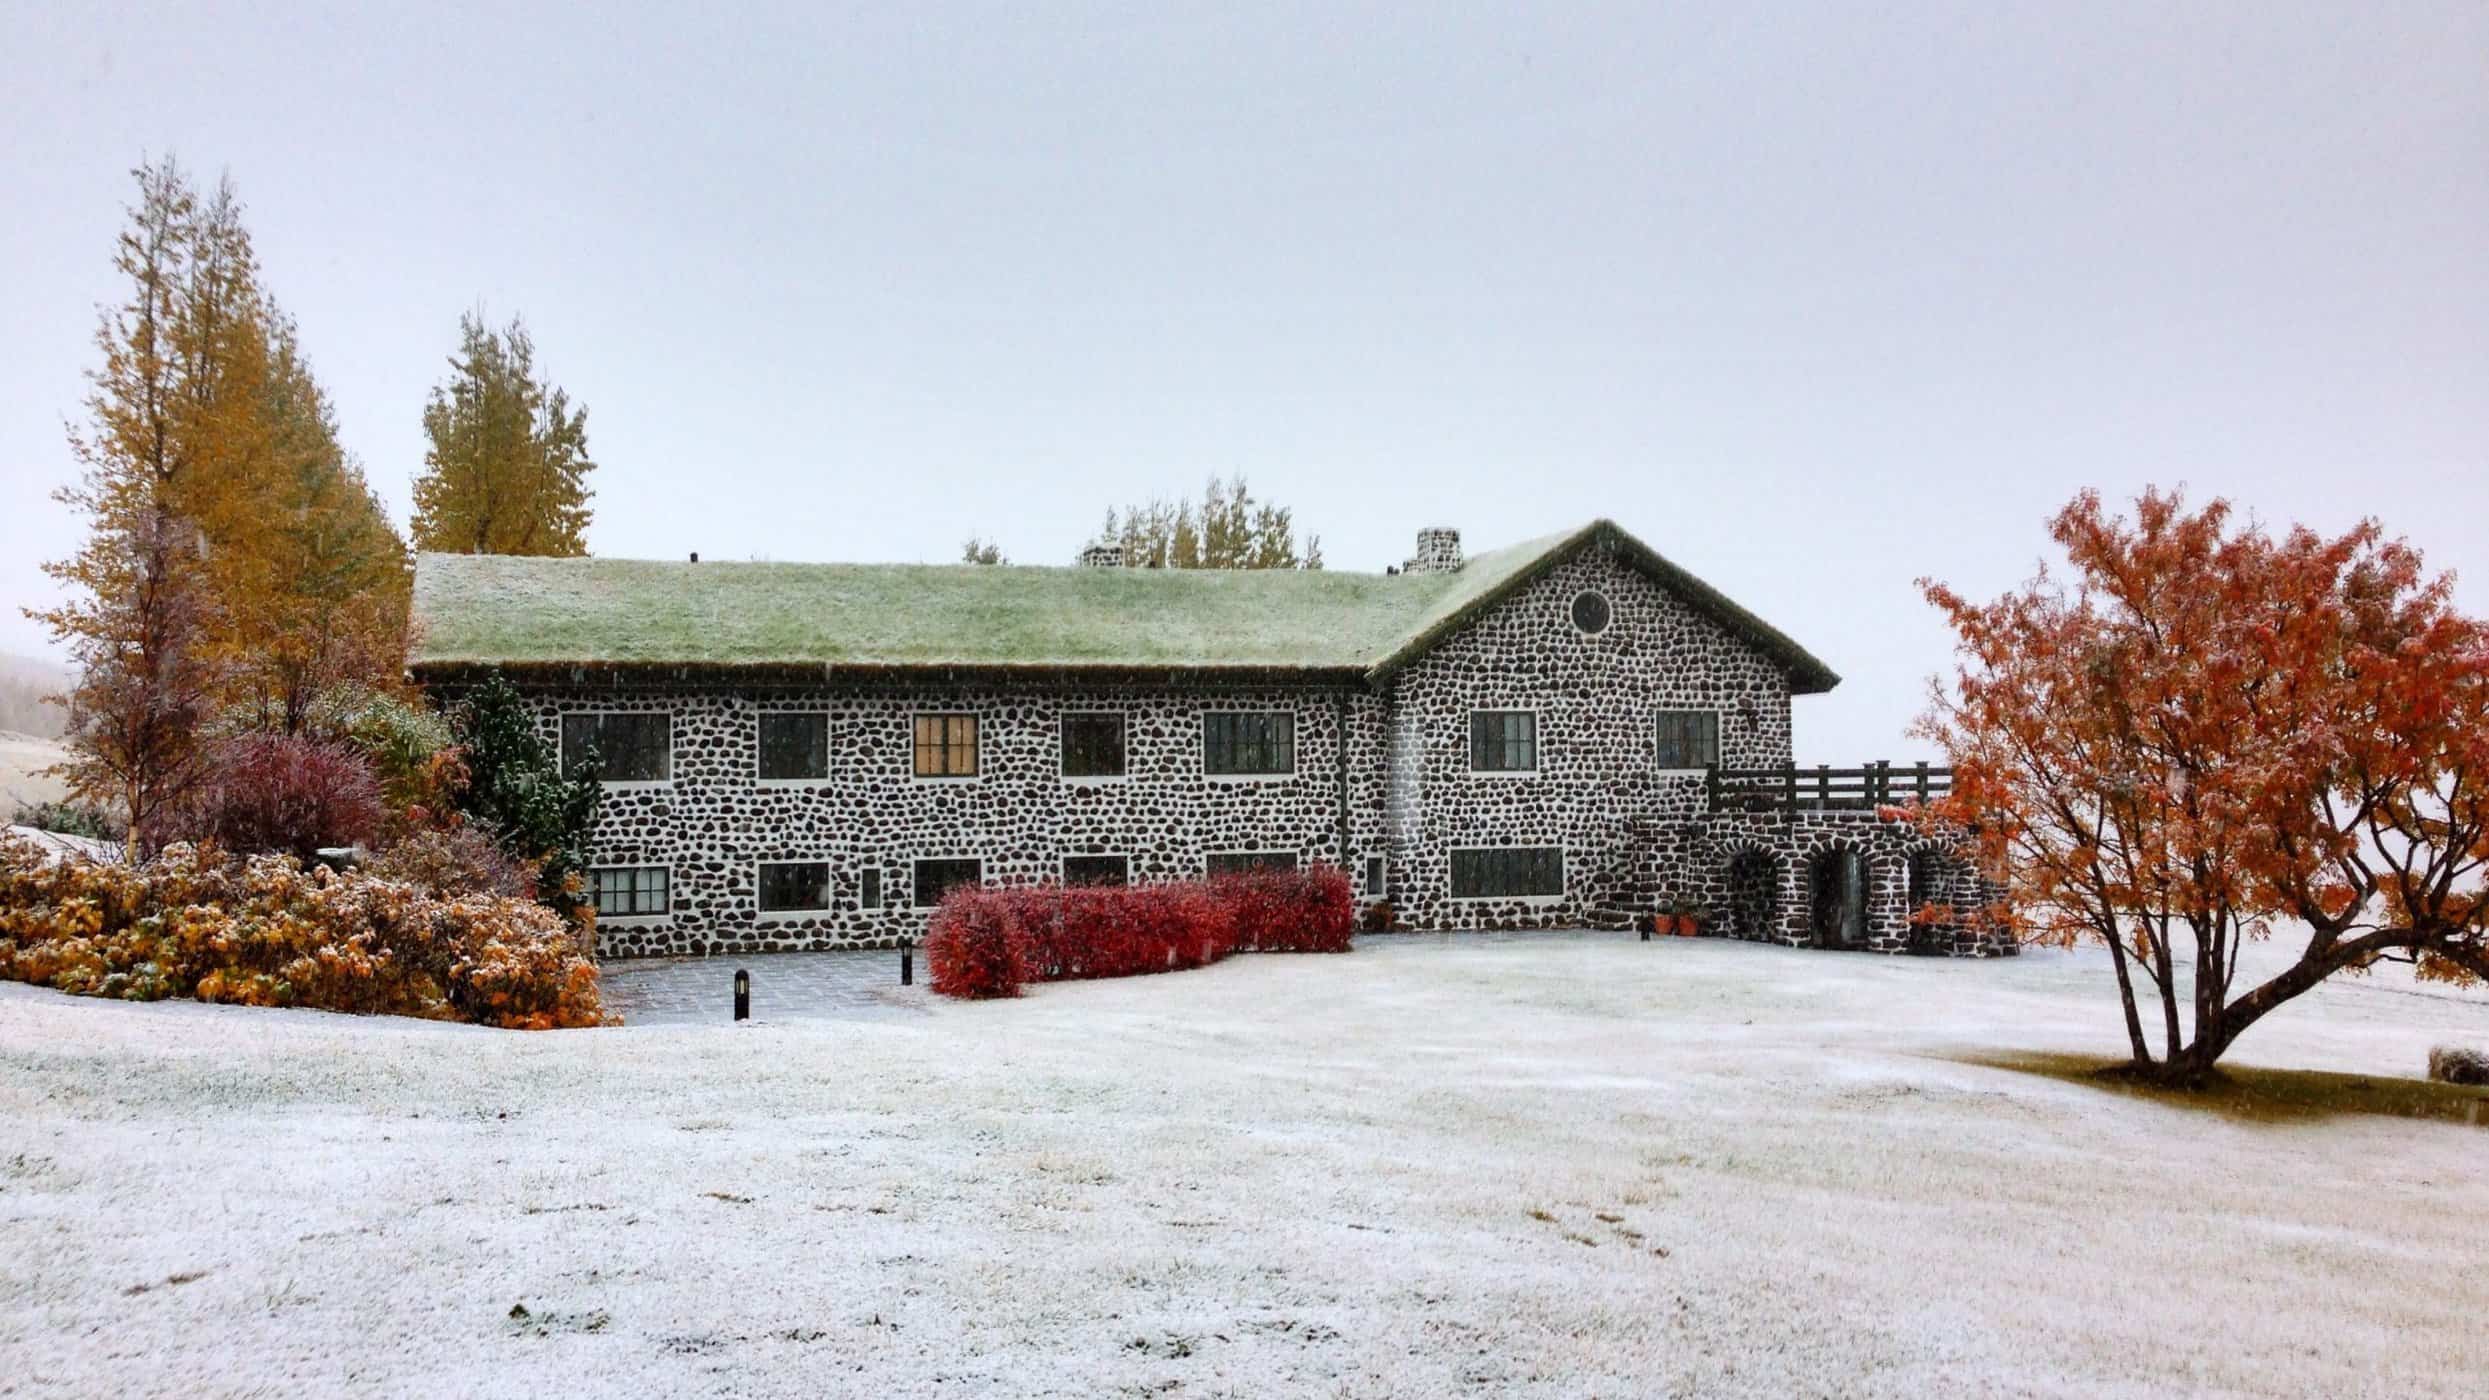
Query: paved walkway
{"type": "Point", "coordinates": [785, 987]}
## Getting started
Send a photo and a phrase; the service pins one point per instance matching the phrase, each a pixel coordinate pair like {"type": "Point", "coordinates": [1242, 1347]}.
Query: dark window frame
{"type": "Point", "coordinates": [1079, 757]}
{"type": "Point", "coordinates": [1098, 863]}
{"type": "Point", "coordinates": [945, 744]}
{"type": "Point", "coordinates": [1507, 872]}
{"type": "Point", "coordinates": [1217, 863]}
{"type": "Point", "coordinates": [761, 890]}
{"type": "Point", "coordinates": [869, 887]}
{"type": "Point", "coordinates": [631, 897]}
{"type": "Point", "coordinates": [1501, 752]}
{"type": "Point", "coordinates": [1232, 741]}
{"type": "Point", "coordinates": [1689, 742]}
{"type": "Point", "coordinates": [916, 877]}
{"type": "Point", "coordinates": [607, 771]}
{"type": "Point", "coordinates": [1604, 606]}
{"type": "Point", "coordinates": [818, 748]}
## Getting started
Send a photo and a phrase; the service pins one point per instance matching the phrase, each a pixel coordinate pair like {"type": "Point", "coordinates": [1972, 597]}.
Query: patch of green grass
{"type": "Point", "coordinates": [2260, 1094]}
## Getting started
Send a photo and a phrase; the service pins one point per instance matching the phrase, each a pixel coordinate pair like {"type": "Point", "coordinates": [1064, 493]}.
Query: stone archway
{"type": "Point", "coordinates": [1753, 894]}
{"type": "Point", "coordinates": [1836, 884]}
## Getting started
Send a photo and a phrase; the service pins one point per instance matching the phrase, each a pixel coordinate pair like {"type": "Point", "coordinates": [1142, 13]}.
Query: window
{"type": "Point", "coordinates": [1093, 746]}
{"type": "Point", "coordinates": [1689, 738]}
{"type": "Point", "coordinates": [1259, 742]}
{"type": "Point", "coordinates": [622, 890]}
{"type": "Point", "coordinates": [936, 878]}
{"type": "Point", "coordinates": [946, 746]}
{"type": "Point", "coordinates": [1245, 862]}
{"type": "Point", "coordinates": [794, 747]}
{"type": "Point", "coordinates": [1503, 741]}
{"type": "Point", "coordinates": [872, 882]}
{"type": "Point", "coordinates": [1377, 877]}
{"type": "Point", "coordinates": [627, 748]}
{"type": "Point", "coordinates": [1590, 612]}
{"type": "Point", "coordinates": [1097, 870]}
{"type": "Point", "coordinates": [794, 886]}
{"type": "Point", "coordinates": [1508, 872]}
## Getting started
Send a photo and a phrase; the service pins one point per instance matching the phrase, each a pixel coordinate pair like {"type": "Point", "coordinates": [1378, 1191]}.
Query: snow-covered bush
{"type": "Point", "coordinates": [2456, 1064]}
{"type": "Point", "coordinates": [989, 942]}
{"type": "Point", "coordinates": [266, 932]}
{"type": "Point", "coordinates": [459, 861]}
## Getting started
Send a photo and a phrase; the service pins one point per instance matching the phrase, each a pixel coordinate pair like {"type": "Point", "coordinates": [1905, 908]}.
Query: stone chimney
{"type": "Point", "coordinates": [1438, 551]}
{"type": "Point", "coordinates": [1102, 556]}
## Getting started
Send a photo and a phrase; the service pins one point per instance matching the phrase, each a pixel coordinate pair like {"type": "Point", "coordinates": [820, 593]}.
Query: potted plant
{"type": "Point", "coordinates": [1677, 917]}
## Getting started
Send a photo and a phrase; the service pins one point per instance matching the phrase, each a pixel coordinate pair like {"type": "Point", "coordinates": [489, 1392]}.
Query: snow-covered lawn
{"type": "Point", "coordinates": [1580, 1165]}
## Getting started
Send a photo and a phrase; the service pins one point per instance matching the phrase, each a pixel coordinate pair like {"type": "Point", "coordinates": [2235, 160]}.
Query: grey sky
{"type": "Point", "coordinates": [1814, 299]}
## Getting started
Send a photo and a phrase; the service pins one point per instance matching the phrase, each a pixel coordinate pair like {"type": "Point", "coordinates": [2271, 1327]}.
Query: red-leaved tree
{"type": "Point", "coordinates": [2210, 731]}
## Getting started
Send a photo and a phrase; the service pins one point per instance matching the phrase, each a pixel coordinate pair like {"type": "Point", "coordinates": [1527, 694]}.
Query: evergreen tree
{"type": "Point", "coordinates": [507, 469]}
{"type": "Point", "coordinates": [517, 792]}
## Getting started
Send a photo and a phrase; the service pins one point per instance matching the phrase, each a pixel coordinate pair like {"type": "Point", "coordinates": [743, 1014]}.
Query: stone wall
{"type": "Point", "coordinates": [1597, 792]}
{"type": "Point", "coordinates": [713, 822]}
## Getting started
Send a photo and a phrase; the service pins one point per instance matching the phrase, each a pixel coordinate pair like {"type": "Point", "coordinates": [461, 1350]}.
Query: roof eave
{"type": "Point", "coordinates": [1807, 675]}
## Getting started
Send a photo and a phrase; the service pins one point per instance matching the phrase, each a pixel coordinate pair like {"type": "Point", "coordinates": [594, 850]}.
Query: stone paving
{"type": "Point", "coordinates": [865, 982]}
{"type": "Point", "coordinates": [785, 987]}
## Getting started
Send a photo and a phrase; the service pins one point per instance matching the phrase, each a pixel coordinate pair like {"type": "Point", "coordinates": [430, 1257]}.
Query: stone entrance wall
{"type": "Point", "coordinates": [1702, 863]}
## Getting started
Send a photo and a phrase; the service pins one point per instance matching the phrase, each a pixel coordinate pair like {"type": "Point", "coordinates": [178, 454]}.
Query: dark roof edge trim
{"type": "Point", "coordinates": [645, 675]}
{"type": "Point", "coordinates": [1807, 674]}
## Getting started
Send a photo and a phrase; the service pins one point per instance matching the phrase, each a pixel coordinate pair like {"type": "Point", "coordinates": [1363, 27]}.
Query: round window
{"type": "Point", "coordinates": [1590, 612]}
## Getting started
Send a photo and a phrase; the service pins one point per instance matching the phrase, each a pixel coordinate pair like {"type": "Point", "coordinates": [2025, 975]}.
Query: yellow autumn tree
{"type": "Point", "coordinates": [235, 560]}
{"type": "Point", "coordinates": [507, 469]}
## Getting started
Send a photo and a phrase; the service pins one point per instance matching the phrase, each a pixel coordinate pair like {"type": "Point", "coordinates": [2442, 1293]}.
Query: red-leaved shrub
{"type": "Point", "coordinates": [988, 942]}
{"type": "Point", "coordinates": [1282, 911]}
{"type": "Point", "coordinates": [973, 947]}
{"type": "Point", "coordinates": [278, 792]}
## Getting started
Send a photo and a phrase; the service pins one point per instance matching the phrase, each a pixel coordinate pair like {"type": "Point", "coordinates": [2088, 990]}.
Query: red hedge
{"type": "Point", "coordinates": [988, 942]}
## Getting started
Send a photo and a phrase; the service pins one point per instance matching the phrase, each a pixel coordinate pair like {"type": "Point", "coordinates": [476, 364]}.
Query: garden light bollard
{"type": "Point", "coordinates": [743, 995]}
{"type": "Point", "coordinates": [907, 964]}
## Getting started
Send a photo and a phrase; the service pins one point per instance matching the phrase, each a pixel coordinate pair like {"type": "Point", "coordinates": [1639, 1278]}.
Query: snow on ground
{"type": "Point", "coordinates": [23, 757]}
{"type": "Point", "coordinates": [1560, 1165]}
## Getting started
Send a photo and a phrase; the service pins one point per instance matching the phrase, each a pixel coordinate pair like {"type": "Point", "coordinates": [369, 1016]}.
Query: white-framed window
{"type": "Point", "coordinates": [1246, 862]}
{"type": "Point", "coordinates": [1093, 745]}
{"type": "Point", "coordinates": [1097, 870]}
{"type": "Point", "coordinates": [627, 746]}
{"type": "Point", "coordinates": [1688, 739]}
{"type": "Point", "coordinates": [946, 745]}
{"type": "Point", "coordinates": [1507, 872]}
{"type": "Point", "coordinates": [629, 891]}
{"type": "Point", "coordinates": [794, 886]}
{"type": "Point", "coordinates": [937, 876]}
{"type": "Point", "coordinates": [1377, 877]}
{"type": "Point", "coordinates": [1248, 743]}
{"type": "Point", "coordinates": [1503, 742]}
{"type": "Point", "coordinates": [794, 746]}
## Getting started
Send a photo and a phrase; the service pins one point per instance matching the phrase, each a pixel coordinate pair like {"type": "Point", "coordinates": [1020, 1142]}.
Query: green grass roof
{"type": "Point", "coordinates": [501, 610]}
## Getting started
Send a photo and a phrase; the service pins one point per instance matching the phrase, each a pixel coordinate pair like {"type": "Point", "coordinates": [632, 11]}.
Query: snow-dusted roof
{"type": "Point", "coordinates": [509, 611]}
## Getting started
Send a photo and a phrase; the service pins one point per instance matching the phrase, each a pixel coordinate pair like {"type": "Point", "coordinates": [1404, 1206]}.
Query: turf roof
{"type": "Point", "coordinates": [501, 610]}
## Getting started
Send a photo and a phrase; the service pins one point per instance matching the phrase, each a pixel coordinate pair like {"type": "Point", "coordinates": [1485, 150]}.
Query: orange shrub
{"type": "Point", "coordinates": [266, 932]}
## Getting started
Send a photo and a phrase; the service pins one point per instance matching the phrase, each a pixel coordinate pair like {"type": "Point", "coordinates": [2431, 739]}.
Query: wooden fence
{"type": "Point", "coordinates": [1825, 789]}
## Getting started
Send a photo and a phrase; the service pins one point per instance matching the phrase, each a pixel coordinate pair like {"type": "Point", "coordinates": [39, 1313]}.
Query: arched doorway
{"type": "Point", "coordinates": [1753, 894]}
{"type": "Point", "coordinates": [1837, 885]}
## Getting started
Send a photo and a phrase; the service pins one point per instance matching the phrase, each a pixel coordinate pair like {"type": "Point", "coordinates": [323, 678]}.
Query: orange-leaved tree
{"type": "Point", "coordinates": [2209, 732]}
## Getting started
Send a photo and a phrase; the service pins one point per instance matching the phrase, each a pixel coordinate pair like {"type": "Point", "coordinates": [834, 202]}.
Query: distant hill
{"type": "Point", "coordinates": [24, 681]}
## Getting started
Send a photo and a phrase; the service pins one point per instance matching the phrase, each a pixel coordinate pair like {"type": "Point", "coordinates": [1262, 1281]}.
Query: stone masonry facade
{"type": "Point", "coordinates": [1383, 785]}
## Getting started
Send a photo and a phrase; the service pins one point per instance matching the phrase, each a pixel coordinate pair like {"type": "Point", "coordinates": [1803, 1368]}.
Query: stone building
{"type": "Point", "coordinates": [1566, 731]}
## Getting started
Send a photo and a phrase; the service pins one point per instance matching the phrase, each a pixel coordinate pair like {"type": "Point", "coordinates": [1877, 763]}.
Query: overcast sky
{"type": "Point", "coordinates": [1815, 299]}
